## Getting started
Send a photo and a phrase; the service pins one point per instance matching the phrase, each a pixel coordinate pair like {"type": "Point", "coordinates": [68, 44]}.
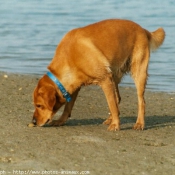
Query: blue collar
{"type": "Point", "coordinates": [66, 94]}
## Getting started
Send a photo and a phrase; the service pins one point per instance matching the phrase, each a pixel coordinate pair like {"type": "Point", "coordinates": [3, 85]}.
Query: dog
{"type": "Point", "coordinates": [101, 54]}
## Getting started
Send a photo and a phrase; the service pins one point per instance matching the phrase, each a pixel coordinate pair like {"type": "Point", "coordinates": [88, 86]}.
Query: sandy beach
{"type": "Point", "coordinates": [83, 145]}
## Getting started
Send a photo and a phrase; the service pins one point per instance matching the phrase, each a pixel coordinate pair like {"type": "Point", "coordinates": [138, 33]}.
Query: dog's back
{"type": "Point", "coordinates": [109, 45]}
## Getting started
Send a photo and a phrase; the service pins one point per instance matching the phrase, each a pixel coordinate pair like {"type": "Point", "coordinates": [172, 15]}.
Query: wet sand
{"type": "Point", "coordinates": [83, 145]}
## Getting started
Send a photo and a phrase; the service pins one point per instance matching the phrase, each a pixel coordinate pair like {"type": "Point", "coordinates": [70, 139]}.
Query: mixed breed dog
{"type": "Point", "coordinates": [101, 54]}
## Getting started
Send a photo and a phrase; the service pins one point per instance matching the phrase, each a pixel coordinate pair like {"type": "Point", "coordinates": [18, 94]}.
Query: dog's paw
{"type": "Point", "coordinates": [107, 121]}
{"type": "Point", "coordinates": [113, 127]}
{"type": "Point", "coordinates": [56, 123]}
{"type": "Point", "coordinates": [138, 126]}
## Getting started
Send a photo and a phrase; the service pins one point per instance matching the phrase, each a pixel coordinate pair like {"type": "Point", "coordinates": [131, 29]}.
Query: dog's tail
{"type": "Point", "coordinates": [156, 38]}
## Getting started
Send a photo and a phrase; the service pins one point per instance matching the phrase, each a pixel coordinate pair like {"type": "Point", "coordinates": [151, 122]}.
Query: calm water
{"type": "Point", "coordinates": [31, 30]}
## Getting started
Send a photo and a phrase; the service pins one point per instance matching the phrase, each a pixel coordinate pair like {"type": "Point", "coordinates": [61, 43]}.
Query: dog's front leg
{"type": "Point", "coordinates": [67, 110]}
{"type": "Point", "coordinates": [118, 95]}
{"type": "Point", "coordinates": [117, 81]}
{"type": "Point", "coordinates": [108, 87]}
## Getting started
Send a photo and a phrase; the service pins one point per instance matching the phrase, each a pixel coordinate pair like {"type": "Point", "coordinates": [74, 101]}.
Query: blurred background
{"type": "Point", "coordinates": [31, 30]}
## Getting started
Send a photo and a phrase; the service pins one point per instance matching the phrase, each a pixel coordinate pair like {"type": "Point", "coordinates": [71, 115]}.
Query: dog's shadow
{"type": "Point", "coordinates": [78, 122]}
{"type": "Point", "coordinates": [150, 122]}
{"type": "Point", "coordinates": [128, 122]}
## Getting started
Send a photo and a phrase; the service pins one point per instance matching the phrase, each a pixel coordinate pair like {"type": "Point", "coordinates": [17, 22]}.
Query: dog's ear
{"type": "Point", "coordinates": [48, 93]}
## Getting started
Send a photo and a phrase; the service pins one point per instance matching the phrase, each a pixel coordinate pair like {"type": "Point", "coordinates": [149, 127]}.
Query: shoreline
{"type": "Point", "coordinates": [81, 143]}
{"type": "Point", "coordinates": [122, 84]}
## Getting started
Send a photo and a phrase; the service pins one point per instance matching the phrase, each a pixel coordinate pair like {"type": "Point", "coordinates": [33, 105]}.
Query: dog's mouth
{"type": "Point", "coordinates": [34, 123]}
{"type": "Point", "coordinates": [48, 121]}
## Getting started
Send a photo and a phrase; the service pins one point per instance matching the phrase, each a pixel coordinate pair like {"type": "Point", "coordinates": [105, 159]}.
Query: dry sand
{"type": "Point", "coordinates": [84, 145]}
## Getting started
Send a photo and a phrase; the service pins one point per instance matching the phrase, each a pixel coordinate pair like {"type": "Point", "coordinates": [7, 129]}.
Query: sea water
{"type": "Point", "coordinates": [31, 30]}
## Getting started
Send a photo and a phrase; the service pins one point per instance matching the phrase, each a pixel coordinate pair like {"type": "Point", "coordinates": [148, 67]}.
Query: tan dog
{"type": "Point", "coordinates": [100, 54]}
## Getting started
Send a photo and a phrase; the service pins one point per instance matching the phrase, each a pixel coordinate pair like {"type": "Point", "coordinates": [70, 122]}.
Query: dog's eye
{"type": "Point", "coordinates": [38, 105]}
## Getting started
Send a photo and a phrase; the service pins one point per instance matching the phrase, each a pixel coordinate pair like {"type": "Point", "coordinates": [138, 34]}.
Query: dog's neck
{"type": "Point", "coordinates": [69, 83]}
{"type": "Point", "coordinates": [68, 80]}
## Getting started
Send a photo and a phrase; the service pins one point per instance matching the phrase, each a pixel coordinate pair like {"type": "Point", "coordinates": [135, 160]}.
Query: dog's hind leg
{"type": "Point", "coordinates": [108, 87]}
{"type": "Point", "coordinates": [118, 98]}
{"type": "Point", "coordinates": [139, 74]}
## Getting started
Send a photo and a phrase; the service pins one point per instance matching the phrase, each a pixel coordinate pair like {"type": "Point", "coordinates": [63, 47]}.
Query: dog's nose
{"type": "Point", "coordinates": [34, 121]}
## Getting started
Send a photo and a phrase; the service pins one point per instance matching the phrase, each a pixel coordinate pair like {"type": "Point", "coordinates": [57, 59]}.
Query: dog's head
{"type": "Point", "coordinates": [47, 101]}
